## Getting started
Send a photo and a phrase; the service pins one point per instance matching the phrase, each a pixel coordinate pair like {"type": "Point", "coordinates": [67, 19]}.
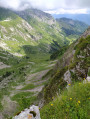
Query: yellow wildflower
{"type": "Point", "coordinates": [84, 78]}
{"type": "Point", "coordinates": [70, 98]}
{"type": "Point", "coordinates": [79, 101]}
{"type": "Point", "coordinates": [79, 83]}
{"type": "Point", "coordinates": [69, 84]}
{"type": "Point", "coordinates": [51, 104]}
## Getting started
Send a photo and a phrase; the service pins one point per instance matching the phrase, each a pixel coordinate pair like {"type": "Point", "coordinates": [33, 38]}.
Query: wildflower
{"type": "Point", "coordinates": [70, 98]}
{"type": "Point", "coordinates": [79, 101]}
{"type": "Point", "coordinates": [79, 83]}
{"type": "Point", "coordinates": [51, 104]}
{"type": "Point", "coordinates": [84, 78]}
{"type": "Point", "coordinates": [69, 84]}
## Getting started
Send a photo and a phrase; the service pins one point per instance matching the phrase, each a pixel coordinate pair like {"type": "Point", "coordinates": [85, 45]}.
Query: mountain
{"type": "Point", "coordinates": [72, 27]}
{"type": "Point", "coordinates": [6, 13]}
{"type": "Point", "coordinates": [81, 17]}
{"type": "Point", "coordinates": [37, 33]}
{"type": "Point", "coordinates": [32, 31]}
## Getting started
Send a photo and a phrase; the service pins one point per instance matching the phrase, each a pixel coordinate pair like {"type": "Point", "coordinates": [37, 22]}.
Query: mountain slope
{"type": "Point", "coordinates": [60, 27]}
{"type": "Point", "coordinates": [14, 33]}
{"type": "Point", "coordinates": [72, 67]}
{"type": "Point", "coordinates": [6, 13]}
{"type": "Point", "coordinates": [34, 30]}
{"type": "Point", "coordinates": [39, 32]}
{"type": "Point", "coordinates": [72, 27]}
{"type": "Point", "coordinates": [45, 25]}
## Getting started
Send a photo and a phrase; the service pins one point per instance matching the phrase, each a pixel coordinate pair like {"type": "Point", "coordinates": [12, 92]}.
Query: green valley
{"type": "Point", "coordinates": [40, 56]}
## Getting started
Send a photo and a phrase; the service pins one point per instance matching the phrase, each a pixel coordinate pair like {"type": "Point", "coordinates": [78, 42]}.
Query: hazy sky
{"type": "Point", "coordinates": [51, 6]}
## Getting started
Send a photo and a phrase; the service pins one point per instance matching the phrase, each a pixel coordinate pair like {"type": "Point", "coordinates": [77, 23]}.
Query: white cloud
{"type": "Point", "coordinates": [68, 11]}
{"type": "Point", "coordinates": [61, 6]}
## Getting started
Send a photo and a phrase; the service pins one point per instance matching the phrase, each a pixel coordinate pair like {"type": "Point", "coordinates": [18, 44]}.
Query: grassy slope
{"type": "Point", "coordinates": [73, 103]}
{"type": "Point", "coordinates": [15, 39]}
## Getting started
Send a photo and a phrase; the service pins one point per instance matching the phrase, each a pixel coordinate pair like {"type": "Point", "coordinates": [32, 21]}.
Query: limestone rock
{"type": "Point", "coordinates": [31, 113]}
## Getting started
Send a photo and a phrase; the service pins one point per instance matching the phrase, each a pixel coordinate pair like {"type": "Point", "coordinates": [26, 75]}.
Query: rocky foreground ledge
{"type": "Point", "coordinates": [31, 113]}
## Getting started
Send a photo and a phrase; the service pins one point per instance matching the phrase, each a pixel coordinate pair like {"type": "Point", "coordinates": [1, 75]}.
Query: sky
{"type": "Point", "coordinates": [50, 6]}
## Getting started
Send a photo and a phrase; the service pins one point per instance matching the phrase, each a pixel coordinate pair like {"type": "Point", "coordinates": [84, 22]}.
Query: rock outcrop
{"type": "Point", "coordinates": [31, 113]}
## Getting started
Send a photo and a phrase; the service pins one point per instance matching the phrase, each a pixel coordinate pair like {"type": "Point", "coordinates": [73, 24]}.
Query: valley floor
{"type": "Point", "coordinates": [19, 92]}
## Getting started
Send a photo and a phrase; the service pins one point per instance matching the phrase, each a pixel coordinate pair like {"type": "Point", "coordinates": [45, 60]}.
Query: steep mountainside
{"type": "Point", "coordinates": [14, 33]}
{"type": "Point", "coordinates": [72, 67]}
{"type": "Point", "coordinates": [39, 34]}
{"type": "Point", "coordinates": [68, 90]}
{"type": "Point", "coordinates": [72, 28]}
{"type": "Point", "coordinates": [44, 24]}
